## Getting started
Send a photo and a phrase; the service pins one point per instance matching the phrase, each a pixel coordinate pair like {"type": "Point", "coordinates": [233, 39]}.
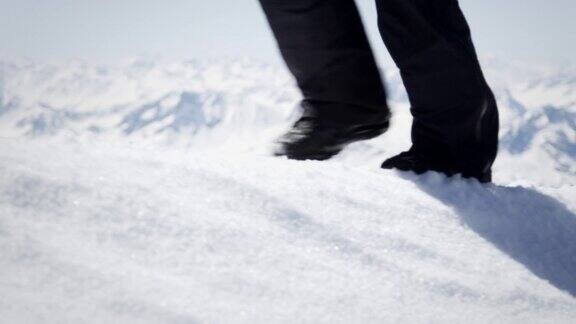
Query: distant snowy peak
{"type": "Point", "coordinates": [143, 99]}
{"type": "Point", "coordinates": [87, 86]}
{"type": "Point", "coordinates": [558, 90]}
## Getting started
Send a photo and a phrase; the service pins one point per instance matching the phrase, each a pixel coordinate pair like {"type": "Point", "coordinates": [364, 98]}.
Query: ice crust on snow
{"type": "Point", "coordinates": [145, 193]}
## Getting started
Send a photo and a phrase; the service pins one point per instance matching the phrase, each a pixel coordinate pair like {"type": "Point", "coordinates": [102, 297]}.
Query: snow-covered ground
{"type": "Point", "coordinates": [144, 193]}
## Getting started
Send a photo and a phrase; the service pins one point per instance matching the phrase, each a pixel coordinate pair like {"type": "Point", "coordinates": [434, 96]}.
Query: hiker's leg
{"type": "Point", "coordinates": [455, 114]}
{"type": "Point", "coordinates": [325, 47]}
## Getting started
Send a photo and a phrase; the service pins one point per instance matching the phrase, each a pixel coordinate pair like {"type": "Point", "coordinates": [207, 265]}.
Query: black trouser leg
{"type": "Point", "coordinates": [455, 114]}
{"type": "Point", "coordinates": [325, 47]}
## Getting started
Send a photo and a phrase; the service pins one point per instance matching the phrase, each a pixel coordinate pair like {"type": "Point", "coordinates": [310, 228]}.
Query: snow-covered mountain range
{"type": "Point", "coordinates": [243, 104]}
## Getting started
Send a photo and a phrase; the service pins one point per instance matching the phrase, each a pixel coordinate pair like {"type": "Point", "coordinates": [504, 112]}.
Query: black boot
{"type": "Point", "coordinates": [419, 163]}
{"type": "Point", "coordinates": [326, 128]}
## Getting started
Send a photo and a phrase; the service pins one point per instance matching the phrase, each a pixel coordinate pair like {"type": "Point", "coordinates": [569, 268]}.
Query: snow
{"type": "Point", "coordinates": [145, 193]}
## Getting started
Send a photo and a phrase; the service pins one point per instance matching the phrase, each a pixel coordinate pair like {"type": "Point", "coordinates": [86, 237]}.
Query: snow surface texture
{"type": "Point", "coordinates": [144, 193]}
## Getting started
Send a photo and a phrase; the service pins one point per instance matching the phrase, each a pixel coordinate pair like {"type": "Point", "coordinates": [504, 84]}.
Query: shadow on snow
{"type": "Point", "coordinates": [532, 228]}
